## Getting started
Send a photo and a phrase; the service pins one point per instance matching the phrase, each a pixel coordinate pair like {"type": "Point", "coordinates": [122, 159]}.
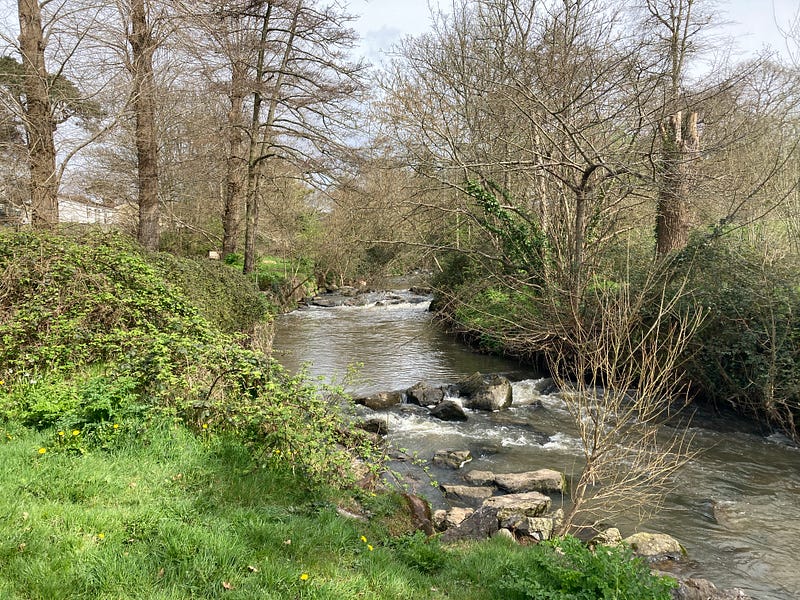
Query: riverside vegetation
{"type": "Point", "coordinates": [146, 452]}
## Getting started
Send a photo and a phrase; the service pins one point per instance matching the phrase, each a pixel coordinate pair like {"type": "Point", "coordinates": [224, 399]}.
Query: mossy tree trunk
{"type": "Point", "coordinates": [39, 124]}
{"type": "Point", "coordinates": [144, 104]}
{"type": "Point", "coordinates": [236, 163]}
{"type": "Point", "coordinates": [680, 148]}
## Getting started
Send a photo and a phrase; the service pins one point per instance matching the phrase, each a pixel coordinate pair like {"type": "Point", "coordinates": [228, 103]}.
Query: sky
{"type": "Point", "coordinates": [752, 23]}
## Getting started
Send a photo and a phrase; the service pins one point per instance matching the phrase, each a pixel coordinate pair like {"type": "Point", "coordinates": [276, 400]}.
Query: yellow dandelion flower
{"type": "Point", "coordinates": [42, 450]}
{"type": "Point", "coordinates": [116, 425]}
{"type": "Point", "coordinates": [370, 548]}
{"type": "Point", "coordinates": [61, 433]}
{"type": "Point", "coordinates": [304, 577]}
{"type": "Point", "coordinates": [101, 535]}
{"type": "Point", "coordinates": [75, 432]}
{"type": "Point", "coordinates": [363, 539]}
{"type": "Point", "coordinates": [2, 382]}
{"type": "Point", "coordinates": [205, 425]}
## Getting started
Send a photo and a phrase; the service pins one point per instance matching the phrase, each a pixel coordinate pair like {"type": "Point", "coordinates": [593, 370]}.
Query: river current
{"type": "Point", "coordinates": [735, 507]}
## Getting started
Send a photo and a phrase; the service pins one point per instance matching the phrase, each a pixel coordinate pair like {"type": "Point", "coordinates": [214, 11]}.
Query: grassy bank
{"type": "Point", "coordinates": [165, 513]}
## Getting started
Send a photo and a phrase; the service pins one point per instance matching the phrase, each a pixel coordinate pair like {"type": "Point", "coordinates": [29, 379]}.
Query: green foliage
{"type": "Point", "coordinates": [72, 300]}
{"type": "Point", "coordinates": [565, 569]}
{"type": "Point", "coordinates": [222, 295]}
{"type": "Point", "coordinates": [83, 402]}
{"type": "Point", "coordinates": [747, 353]}
{"type": "Point", "coordinates": [524, 243]}
{"type": "Point", "coordinates": [95, 332]}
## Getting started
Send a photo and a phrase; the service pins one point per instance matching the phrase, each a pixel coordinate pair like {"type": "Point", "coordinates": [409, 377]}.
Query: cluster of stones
{"type": "Point", "coordinates": [513, 505]}
{"type": "Point", "coordinates": [450, 402]}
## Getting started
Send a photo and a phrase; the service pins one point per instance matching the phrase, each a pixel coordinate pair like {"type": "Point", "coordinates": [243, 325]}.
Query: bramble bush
{"type": "Point", "coordinates": [94, 331]}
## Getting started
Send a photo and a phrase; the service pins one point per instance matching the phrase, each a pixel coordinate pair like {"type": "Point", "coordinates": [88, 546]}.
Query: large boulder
{"type": "Point", "coordinates": [530, 504]}
{"type": "Point", "coordinates": [486, 393]}
{"type": "Point", "coordinates": [494, 511]}
{"type": "Point", "coordinates": [544, 480]}
{"type": "Point", "coordinates": [424, 394]}
{"type": "Point", "coordinates": [453, 459]}
{"type": "Point", "coordinates": [449, 410]}
{"type": "Point", "coordinates": [381, 400]}
{"type": "Point", "coordinates": [480, 525]}
{"type": "Point", "coordinates": [467, 494]}
{"type": "Point", "coordinates": [655, 547]}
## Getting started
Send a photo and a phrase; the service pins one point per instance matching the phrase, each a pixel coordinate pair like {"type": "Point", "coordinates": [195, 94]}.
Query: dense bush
{"type": "Point", "coordinates": [219, 292]}
{"type": "Point", "coordinates": [747, 353]}
{"type": "Point", "coordinates": [94, 330]}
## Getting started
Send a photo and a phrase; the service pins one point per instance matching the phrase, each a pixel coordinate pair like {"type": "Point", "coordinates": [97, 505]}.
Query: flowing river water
{"type": "Point", "coordinates": [735, 507]}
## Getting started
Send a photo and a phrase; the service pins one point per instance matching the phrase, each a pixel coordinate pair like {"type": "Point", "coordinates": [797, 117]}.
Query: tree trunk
{"type": "Point", "coordinates": [236, 165]}
{"type": "Point", "coordinates": [144, 101]}
{"type": "Point", "coordinates": [39, 125]}
{"type": "Point", "coordinates": [680, 147]}
{"type": "Point", "coordinates": [259, 145]}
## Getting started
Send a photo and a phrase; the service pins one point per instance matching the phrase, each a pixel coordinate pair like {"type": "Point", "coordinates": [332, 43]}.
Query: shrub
{"type": "Point", "coordinates": [565, 569]}
{"type": "Point", "coordinates": [747, 353]}
{"type": "Point", "coordinates": [92, 330]}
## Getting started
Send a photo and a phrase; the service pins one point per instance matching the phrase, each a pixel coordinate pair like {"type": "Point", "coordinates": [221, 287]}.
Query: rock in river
{"type": "Point", "coordinates": [449, 410]}
{"type": "Point", "coordinates": [490, 393]}
{"type": "Point", "coordinates": [543, 480]}
{"type": "Point", "coordinates": [454, 459]}
{"type": "Point", "coordinates": [655, 547]}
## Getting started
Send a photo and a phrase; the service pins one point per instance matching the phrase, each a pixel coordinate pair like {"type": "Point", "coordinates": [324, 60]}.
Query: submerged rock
{"type": "Point", "coordinates": [702, 589]}
{"type": "Point", "coordinates": [655, 547]}
{"type": "Point", "coordinates": [483, 478]}
{"type": "Point", "coordinates": [454, 459]}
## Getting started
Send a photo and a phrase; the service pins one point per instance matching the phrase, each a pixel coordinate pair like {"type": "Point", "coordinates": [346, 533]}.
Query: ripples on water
{"type": "Point", "coordinates": [736, 507]}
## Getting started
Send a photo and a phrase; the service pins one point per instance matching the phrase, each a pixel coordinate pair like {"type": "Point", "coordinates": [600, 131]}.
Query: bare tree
{"type": "Point", "coordinates": [627, 386]}
{"type": "Point", "coordinates": [678, 26]}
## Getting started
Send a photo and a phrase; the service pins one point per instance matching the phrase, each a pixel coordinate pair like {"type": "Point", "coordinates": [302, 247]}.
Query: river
{"type": "Point", "coordinates": [735, 507]}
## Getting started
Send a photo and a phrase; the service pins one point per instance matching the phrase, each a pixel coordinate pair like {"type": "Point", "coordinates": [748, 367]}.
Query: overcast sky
{"type": "Point", "coordinates": [754, 23]}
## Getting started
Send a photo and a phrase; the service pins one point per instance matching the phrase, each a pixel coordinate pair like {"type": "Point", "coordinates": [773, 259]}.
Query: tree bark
{"type": "Point", "coordinates": [39, 124]}
{"type": "Point", "coordinates": [144, 106]}
{"type": "Point", "coordinates": [236, 164]}
{"type": "Point", "coordinates": [680, 147]}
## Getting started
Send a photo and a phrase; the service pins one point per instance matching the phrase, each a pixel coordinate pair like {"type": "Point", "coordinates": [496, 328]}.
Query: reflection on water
{"type": "Point", "coordinates": [736, 507]}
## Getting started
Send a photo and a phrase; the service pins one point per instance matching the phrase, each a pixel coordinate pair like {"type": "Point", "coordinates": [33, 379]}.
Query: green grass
{"type": "Point", "coordinates": [172, 515]}
{"type": "Point", "coordinates": [168, 514]}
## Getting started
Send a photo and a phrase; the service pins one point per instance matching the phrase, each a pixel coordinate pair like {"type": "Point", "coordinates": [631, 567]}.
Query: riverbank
{"type": "Point", "coordinates": [733, 506]}
{"type": "Point", "coordinates": [147, 452]}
